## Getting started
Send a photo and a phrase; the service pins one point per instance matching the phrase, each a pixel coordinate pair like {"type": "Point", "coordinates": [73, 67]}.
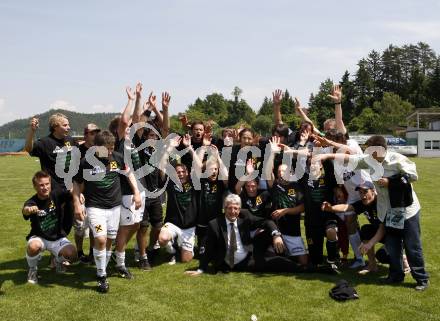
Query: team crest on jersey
{"type": "Point", "coordinates": [113, 165]}
{"type": "Point", "coordinates": [51, 205]}
{"type": "Point", "coordinates": [214, 188]}
{"type": "Point", "coordinates": [98, 228]}
{"type": "Point", "coordinates": [291, 192]}
{"type": "Point", "coordinates": [57, 150]}
{"type": "Point", "coordinates": [258, 200]}
{"type": "Point", "coordinates": [97, 170]}
{"type": "Point", "coordinates": [187, 186]}
{"type": "Point", "coordinates": [321, 182]}
{"type": "Point", "coordinates": [240, 162]}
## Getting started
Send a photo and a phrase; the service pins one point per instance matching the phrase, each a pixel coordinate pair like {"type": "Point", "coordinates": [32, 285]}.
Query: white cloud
{"type": "Point", "coordinates": [418, 29]}
{"type": "Point", "coordinates": [62, 104]}
{"type": "Point", "coordinates": [327, 56]}
{"type": "Point", "coordinates": [5, 115]}
{"type": "Point", "coordinates": [98, 108]}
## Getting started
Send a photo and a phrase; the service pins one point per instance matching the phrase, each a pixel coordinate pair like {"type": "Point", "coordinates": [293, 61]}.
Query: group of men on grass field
{"type": "Point", "coordinates": [239, 197]}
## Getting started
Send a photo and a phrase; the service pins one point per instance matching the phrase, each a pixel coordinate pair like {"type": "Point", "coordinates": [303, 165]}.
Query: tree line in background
{"type": "Point", "coordinates": [385, 88]}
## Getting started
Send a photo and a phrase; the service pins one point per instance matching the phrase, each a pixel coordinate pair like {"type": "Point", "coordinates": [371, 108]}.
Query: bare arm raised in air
{"type": "Point", "coordinates": [33, 125]}
{"type": "Point", "coordinates": [336, 97]}
{"type": "Point", "coordinates": [277, 96]}
{"type": "Point", "coordinates": [137, 105]}
{"type": "Point", "coordinates": [165, 117]}
{"type": "Point", "coordinates": [126, 113]}
{"type": "Point", "coordinates": [300, 112]}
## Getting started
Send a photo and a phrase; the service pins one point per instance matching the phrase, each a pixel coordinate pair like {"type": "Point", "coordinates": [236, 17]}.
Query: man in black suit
{"type": "Point", "coordinates": [230, 246]}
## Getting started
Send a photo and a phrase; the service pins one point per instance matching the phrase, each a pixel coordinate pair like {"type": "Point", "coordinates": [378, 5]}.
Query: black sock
{"type": "Point", "coordinates": [332, 250]}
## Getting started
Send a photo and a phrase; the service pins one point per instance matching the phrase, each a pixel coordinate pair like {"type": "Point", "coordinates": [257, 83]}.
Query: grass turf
{"type": "Point", "coordinates": [167, 294]}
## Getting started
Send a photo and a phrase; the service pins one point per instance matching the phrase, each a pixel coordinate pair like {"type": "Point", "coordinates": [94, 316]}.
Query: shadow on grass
{"type": "Point", "coordinates": [75, 277]}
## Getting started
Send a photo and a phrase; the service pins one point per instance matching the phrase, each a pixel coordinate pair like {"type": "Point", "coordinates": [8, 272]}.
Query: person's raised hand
{"type": "Point", "coordinates": [175, 141]}
{"type": "Point", "coordinates": [183, 120]}
{"type": "Point", "coordinates": [165, 100]}
{"type": "Point", "coordinates": [138, 90]}
{"type": "Point", "coordinates": [275, 143]}
{"type": "Point", "coordinates": [250, 166]}
{"type": "Point", "coordinates": [186, 140]}
{"type": "Point", "coordinates": [34, 124]}
{"type": "Point", "coordinates": [336, 95]}
{"type": "Point", "coordinates": [152, 100]}
{"type": "Point", "coordinates": [130, 93]}
{"type": "Point", "coordinates": [277, 96]}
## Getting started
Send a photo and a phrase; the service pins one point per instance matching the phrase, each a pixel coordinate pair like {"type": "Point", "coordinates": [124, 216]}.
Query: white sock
{"type": "Point", "coordinates": [355, 242]}
{"type": "Point", "coordinates": [120, 259]}
{"type": "Point", "coordinates": [156, 245]}
{"type": "Point", "coordinates": [33, 260]}
{"type": "Point", "coordinates": [108, 256]}
{"type": "Point", "coordinates": [169, 248]}
{"type": "Point", "coordinates": [136, 246]}
{"type": "Point", "coordinates": [100, 261]}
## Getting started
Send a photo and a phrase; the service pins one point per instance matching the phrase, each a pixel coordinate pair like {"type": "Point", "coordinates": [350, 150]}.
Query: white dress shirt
{"type": "Point", "coordinates": [241, 253]}
{"type": "Point", "coordinates": [394, 163]}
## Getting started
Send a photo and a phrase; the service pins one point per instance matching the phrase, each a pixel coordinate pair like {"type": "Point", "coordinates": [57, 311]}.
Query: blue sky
{"type": "Point", "coordinates": [81, 55]}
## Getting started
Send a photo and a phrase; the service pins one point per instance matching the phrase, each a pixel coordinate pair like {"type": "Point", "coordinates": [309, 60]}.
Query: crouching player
{"type": "Point", "coordinates": [45, 211]}
{"type": "Point", "coordinates": [182, 208]}
{"type": "Point", "coordinates": [99, 179]}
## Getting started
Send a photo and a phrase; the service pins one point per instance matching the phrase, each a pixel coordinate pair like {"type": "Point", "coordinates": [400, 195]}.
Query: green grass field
{"type": "Point", "coordinates": [167, 294]}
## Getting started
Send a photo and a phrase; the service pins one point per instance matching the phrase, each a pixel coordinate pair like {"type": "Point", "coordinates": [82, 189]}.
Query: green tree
{"type": "Point", "coordinates": [434, 84]}
{"type": "Point", "coordinates": [364, 87]}
{"type": "Point", "coordinates": [214, 107]}
{"type": "Point", "coordinates": [263, 125]}
{"type": "Point", "coordinates": [393, 111]}
{"type": "Point", "coordinates": [266, 107]}
{"type": "Point", "coordinates": [367, 122]}
{"type": "Point", "coordinates": [321, 108]}
{"type": "Point", "coordinates": [348, 97]}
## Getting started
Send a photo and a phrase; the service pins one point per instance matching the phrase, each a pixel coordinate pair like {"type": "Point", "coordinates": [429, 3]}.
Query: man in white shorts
{"type": "Point", "coordinates": [101, 184]}
{"type": "Point", "coordinates": [181, 216]}
{"type": "Point", "coordinates": [182, 205]}
{"type": "Point", "coordinates": [45, 212]}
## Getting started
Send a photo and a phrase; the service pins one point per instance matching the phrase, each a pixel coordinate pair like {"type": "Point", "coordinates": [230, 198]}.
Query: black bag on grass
{"type": "Point", "coordinates": [342, 291]}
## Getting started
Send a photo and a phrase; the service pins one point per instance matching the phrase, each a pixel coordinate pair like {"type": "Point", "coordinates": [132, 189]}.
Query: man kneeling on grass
{"type": "Point", "coordinates": [45, 211]}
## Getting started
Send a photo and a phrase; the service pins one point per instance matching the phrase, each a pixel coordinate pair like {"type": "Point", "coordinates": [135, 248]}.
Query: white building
{"type": "Point", "coordinates": [424, 131]}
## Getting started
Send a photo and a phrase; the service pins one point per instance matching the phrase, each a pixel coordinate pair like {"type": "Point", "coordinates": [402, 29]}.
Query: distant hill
{"type": "Point", "coordinates": [19, 127]}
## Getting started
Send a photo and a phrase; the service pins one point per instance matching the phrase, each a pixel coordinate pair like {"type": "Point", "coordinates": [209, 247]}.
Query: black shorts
{"type": "Point", "coordinates": [368, 231]}
{"type": "Point", "coordinates": [152, 213]}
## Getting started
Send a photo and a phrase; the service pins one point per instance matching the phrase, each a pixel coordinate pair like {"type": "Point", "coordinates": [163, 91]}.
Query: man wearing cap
{"type": "Point", "coordinates": [89, 137]}
{"type": "Point", "coordinates": [398, 209]}
{"type": "Point", "coordinates": [81, 227]}
{"type": "Point", "coordinates": [367, 205]}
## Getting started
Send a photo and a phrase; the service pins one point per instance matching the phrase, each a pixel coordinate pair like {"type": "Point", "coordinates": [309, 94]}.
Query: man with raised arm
{"type": "Point", "coordinates": [47, 149]}
{"type": "Point", "coordinates": [182, 205]}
